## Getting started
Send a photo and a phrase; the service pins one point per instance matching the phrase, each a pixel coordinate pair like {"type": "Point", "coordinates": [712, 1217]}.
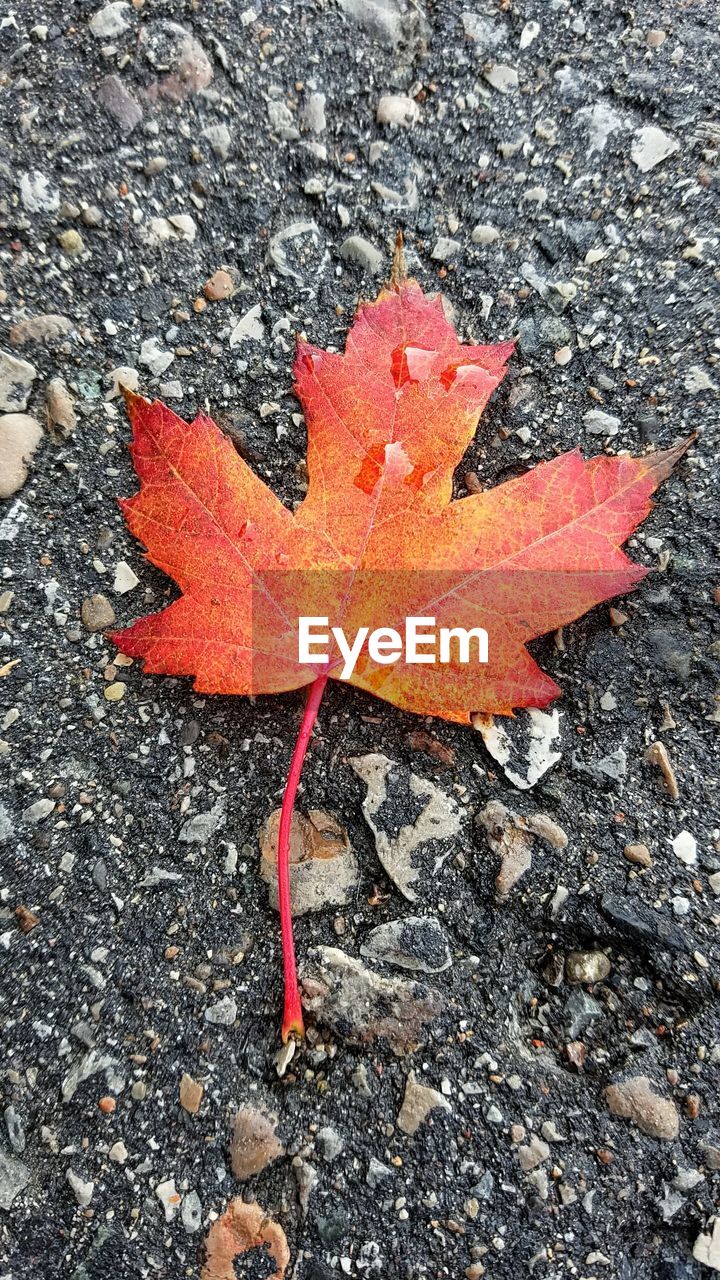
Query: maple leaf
{"type": "Point", "coordinates": [378, 537]}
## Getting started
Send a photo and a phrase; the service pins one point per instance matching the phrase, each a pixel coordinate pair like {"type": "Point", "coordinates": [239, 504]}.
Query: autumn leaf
{"type": "Point", "coordinates": [378, 537]}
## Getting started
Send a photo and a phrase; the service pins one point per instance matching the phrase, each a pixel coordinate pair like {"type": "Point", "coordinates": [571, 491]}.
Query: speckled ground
{"type": "Point", "coordinates": [530, 121]}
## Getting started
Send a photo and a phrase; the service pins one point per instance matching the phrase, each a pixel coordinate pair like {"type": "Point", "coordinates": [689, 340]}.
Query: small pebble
{"type": "Point", "coordinates": [219, 286]}
{"type": "Point", "coordinates": [97, 613]}
{"type": "Point", "coordinates": [71, 243]}
{"type": "Point", "coordinates": [639, 854]}
{"type": "Point", "coordinates": [191, 1094]}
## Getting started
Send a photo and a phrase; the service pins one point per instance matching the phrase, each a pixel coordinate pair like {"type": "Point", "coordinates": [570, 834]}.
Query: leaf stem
{"type": "Point", "coordinates": [292, 1014]}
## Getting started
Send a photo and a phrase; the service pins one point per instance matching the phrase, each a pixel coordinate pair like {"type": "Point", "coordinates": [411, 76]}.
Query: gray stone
{"type": "Point", "coordinates": [614, 765]}
{"type": "Point", "coordinates": [223, 1013]}
{"type": "Point", "coordinates": [580, 1011]}
{"type": "Point", "coordinates": [36, 193]}
{"type": "Point", "coordinates": [484, 33]}
{"type": "Point", "coordinates": [158, 875]}
{"type": "Point", "coordinates": [38, 811]}
{"type": "Point", "coordinates": [330, 1143]}
{"type": "Point", "coordinates": [191, 1212]}
{"type": "Point", "coordinates": [14, 1177]}
{"type": "Point", "coordinates": [418, 943]}
{"type": "Point", "coordinates": [377, 1173]}
{"type": "Point", "coordinates": [444, 249]}
{"type": "Point", "coordinates": [203, 826]}
{"type": "Point", "coordinates": [154, 358]}
{"type": "Point", "coordinates": [394, 796]}
{"type": "Point", "coordinates": [697, 380]}
{"type": "Point", "coordinates": [280, 119]}
{"type": "Point", "coordinates": [686, 1180]}
{"type": "Point", "coordinates": [20, 436]}
{"type": "Point", "coordinates": [360, 251]}
{"type": "Point", "coordinates": [97, 613]}
{"type": "Point", "coordinates": [598, 423]}
{"type": "Point", "coordinates": [313, 115]}
{"type": "Point", "coordinates": [254, 1144]}
{"type": "Point", "coordinates": [60, 408]}
{"type": "Point", "coordinates": [220, 139]}
{"type": "Point", "coordinates": [16, 380]}
{"type": "Point", "coordinates": [111, 20]}
{"type": "Point", "coordinates": [122, 376]}
{"type": "Point", "coordinates": [297, 250]}
{"type": "Point", "coordinates": [600, 120]}
{"type": "Point", "coordinates": [15, 1130]}
{"type": "Point", "coordinates": [90, 1065]}
{"type": "Point", "coordinates": [83, 1191]}
{"type": "Point", "coordinates": [249, 327]}
{"type": "Point", "coordinates": [501, 77]}
{"type": "Point", "coordinates": [397, 109]}
{"type": "Point", "coordinates": [7, 830]}
{"type": "Point", "coordinates": [125, 578]}
{"type": "Point", "coordinates": [306, 1178]}
{"type": "Point", "coordinates": [650, 146]}
{"type": "Point", "coordinates": [120, 104]}
{"type": "Point", "coordinates": [362, 1007]}
{"type": "Point", "coordinates": [484, 234]}
{"type": "Point", "coordinates": [393, 23]}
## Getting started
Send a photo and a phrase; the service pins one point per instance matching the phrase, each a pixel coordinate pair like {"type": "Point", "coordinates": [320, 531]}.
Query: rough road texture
{"type": "Point", "coordinates": [555, 171]}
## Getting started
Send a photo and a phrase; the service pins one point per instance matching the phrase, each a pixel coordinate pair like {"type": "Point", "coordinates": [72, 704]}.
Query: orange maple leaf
{"type": "Point", "coordinates": [378, 538]}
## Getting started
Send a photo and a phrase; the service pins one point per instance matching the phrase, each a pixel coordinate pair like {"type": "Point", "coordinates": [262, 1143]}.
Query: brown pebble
{"type": "Point", "coordinates": [576, 1053]}
{"type": "Point", "coordinates": [639, 854]}
{"type": "Point", "coordinates": [692, 1106]}
{"type": "Point", "coordinates": [636, 1100]}
{"type": "Point", "coordinates": [617, 617]}
{"type": "Point", "coordinates": [254, 1143]}
{"type": "Point", "coordinates": [605, 1156]}
{"type": "Point", "coordinates": [60, 410]}
{"type": "Point", "coordinates": [107, 1105]}
{"type": "Point", "coordinates": [219, 286]}
{"type": "Point", "coordinates": [97, 613]}
{"type": "Point", "coordinates": [420, 740]}
{"type": "Point", "coordinates": [26, 919]}
{"type": "Point", "coordinates": [657, 754]}
{"type": "Point", "coordinates": [191, 1094]}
